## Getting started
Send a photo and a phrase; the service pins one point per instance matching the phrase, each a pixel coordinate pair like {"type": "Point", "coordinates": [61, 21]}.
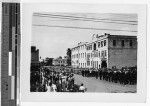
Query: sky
{"type": "Point", "coordinates": [52, 35]}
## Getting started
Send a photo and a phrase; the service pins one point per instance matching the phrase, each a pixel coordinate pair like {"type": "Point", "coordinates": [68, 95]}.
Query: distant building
{"type": "Point", "coordinates": [106, 51]}
{"type": "Point", "coordinates": [60, 61]}
{"type": "Point", "coordinates": [34, 56]}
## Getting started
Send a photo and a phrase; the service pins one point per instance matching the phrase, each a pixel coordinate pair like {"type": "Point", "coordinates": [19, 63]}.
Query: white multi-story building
{"type": "Point", "coordinates": [106, 51]}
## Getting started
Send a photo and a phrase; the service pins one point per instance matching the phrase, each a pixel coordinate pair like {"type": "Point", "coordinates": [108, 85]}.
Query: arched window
{"type": "Point", "coordinates": [94, 46]}
{"type": "Point", "coordinates": [101, 43]}
{"type": "Point", "coordinates": [104, 42]}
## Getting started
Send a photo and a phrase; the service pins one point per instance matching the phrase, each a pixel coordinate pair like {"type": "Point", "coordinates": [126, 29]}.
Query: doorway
{"type": "Point", "coordinates": [104, 64]}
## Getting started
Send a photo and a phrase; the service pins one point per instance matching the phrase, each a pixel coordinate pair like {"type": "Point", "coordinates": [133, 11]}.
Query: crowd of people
{"type": "Point", "coordinates": [54, 79]}
{"type": "Point", "coordinates": [61, 79]}
{"type": "Point", "coordinates": [126, 75]}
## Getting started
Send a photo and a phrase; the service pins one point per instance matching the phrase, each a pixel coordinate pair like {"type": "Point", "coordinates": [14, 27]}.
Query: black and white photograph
{"type": "Point", "coordinates": [73, 52]}
{"type": "Point", "coordinates": [84, 52]}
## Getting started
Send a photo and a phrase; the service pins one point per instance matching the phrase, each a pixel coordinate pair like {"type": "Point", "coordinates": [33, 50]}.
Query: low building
{"type": "Point", "coordinates": [60, 61]}
{"type": "Point", "coordinates": [106, 51]}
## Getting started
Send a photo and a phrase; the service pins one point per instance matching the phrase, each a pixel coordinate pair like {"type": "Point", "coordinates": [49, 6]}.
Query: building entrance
{"type": "Point", "coordinates": [103, 64]}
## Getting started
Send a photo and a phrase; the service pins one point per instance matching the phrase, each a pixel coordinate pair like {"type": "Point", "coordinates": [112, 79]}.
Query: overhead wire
{"type": "Point", "coordinates": [105, 20]}
{"type": "Point", "coordinates": [86, 19]}
{"type": "Point", "coordinates": [73, 27]}
{"type": "Point", "coordinates": [82, 17]}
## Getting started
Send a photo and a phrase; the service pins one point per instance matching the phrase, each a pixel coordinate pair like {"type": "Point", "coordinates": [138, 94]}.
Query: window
{"type": "Point", "coordinates": [89, 55]}
{"type": "Point", "coordinates": [131, 43]}
{"type": "Point", "coordinates": [99, 53]}
{"type": "Point", "coordinates": [105, 53]}
{"type": "Point", "coordinates": [102, 54]}
{"type": "Point", "coordinates": [91, 47]}
{"type": "Point", "coordinates": [101, 43]}
{"type": "Point", "coordinates": [114, 42]}
{"type": "Point", "coordinates": [94, 46]}
{"type": "Point", "coordinates": [122, 43]}
{"type": "Point", "coordinates": [104, 42]}
{"type": "Point", "coordinates": [88, 63]}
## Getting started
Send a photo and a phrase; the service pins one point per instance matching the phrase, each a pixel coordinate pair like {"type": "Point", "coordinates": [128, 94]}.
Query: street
{"type": "Point", "coordinates": [95, 85]}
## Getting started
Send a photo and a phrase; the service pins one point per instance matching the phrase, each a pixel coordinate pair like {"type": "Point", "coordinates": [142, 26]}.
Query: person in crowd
{"type": "Point", "coordinates": [49, 88]}
{"type": "Point", "coordinates": [82, 88]}
{"type": "Point", "coordinates": [53, 87]}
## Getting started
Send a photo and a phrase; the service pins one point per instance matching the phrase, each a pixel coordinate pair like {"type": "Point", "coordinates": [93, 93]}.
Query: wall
{"type": "Point", "coordinates": [122, 56]}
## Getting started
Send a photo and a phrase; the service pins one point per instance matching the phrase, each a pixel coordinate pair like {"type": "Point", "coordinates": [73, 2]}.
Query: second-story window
{"type": "Point", "coordinates": [102, 54]}
{"type": "Point", "coordinates": [104, 42]}
{"type": "Point", "coordinates": [94, 46]}
{"type": "Point", "coordinates": [122, 43]}
{"type": "Point", "coordinates": [91, 47]}
{"type": "Point", "coordinates": [101, 43]}
{"type": "Point", "coordinates": [114, 42]}
{"type": "Point", "coordinates": [131, 43]}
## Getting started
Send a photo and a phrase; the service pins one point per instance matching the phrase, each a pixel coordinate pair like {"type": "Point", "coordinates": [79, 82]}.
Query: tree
{"type": "Point", "coordinates": [69, 57]}
{"type": "Point", "coordinates": [49, 61]}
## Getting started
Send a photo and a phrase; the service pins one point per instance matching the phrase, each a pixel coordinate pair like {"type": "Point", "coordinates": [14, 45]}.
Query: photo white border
{"type": "Point", "coordinates": [26, 25]}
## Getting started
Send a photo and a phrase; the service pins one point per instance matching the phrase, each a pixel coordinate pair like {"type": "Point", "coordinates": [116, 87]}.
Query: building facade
{"type": "Point", "coordinates": [106, 51]}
